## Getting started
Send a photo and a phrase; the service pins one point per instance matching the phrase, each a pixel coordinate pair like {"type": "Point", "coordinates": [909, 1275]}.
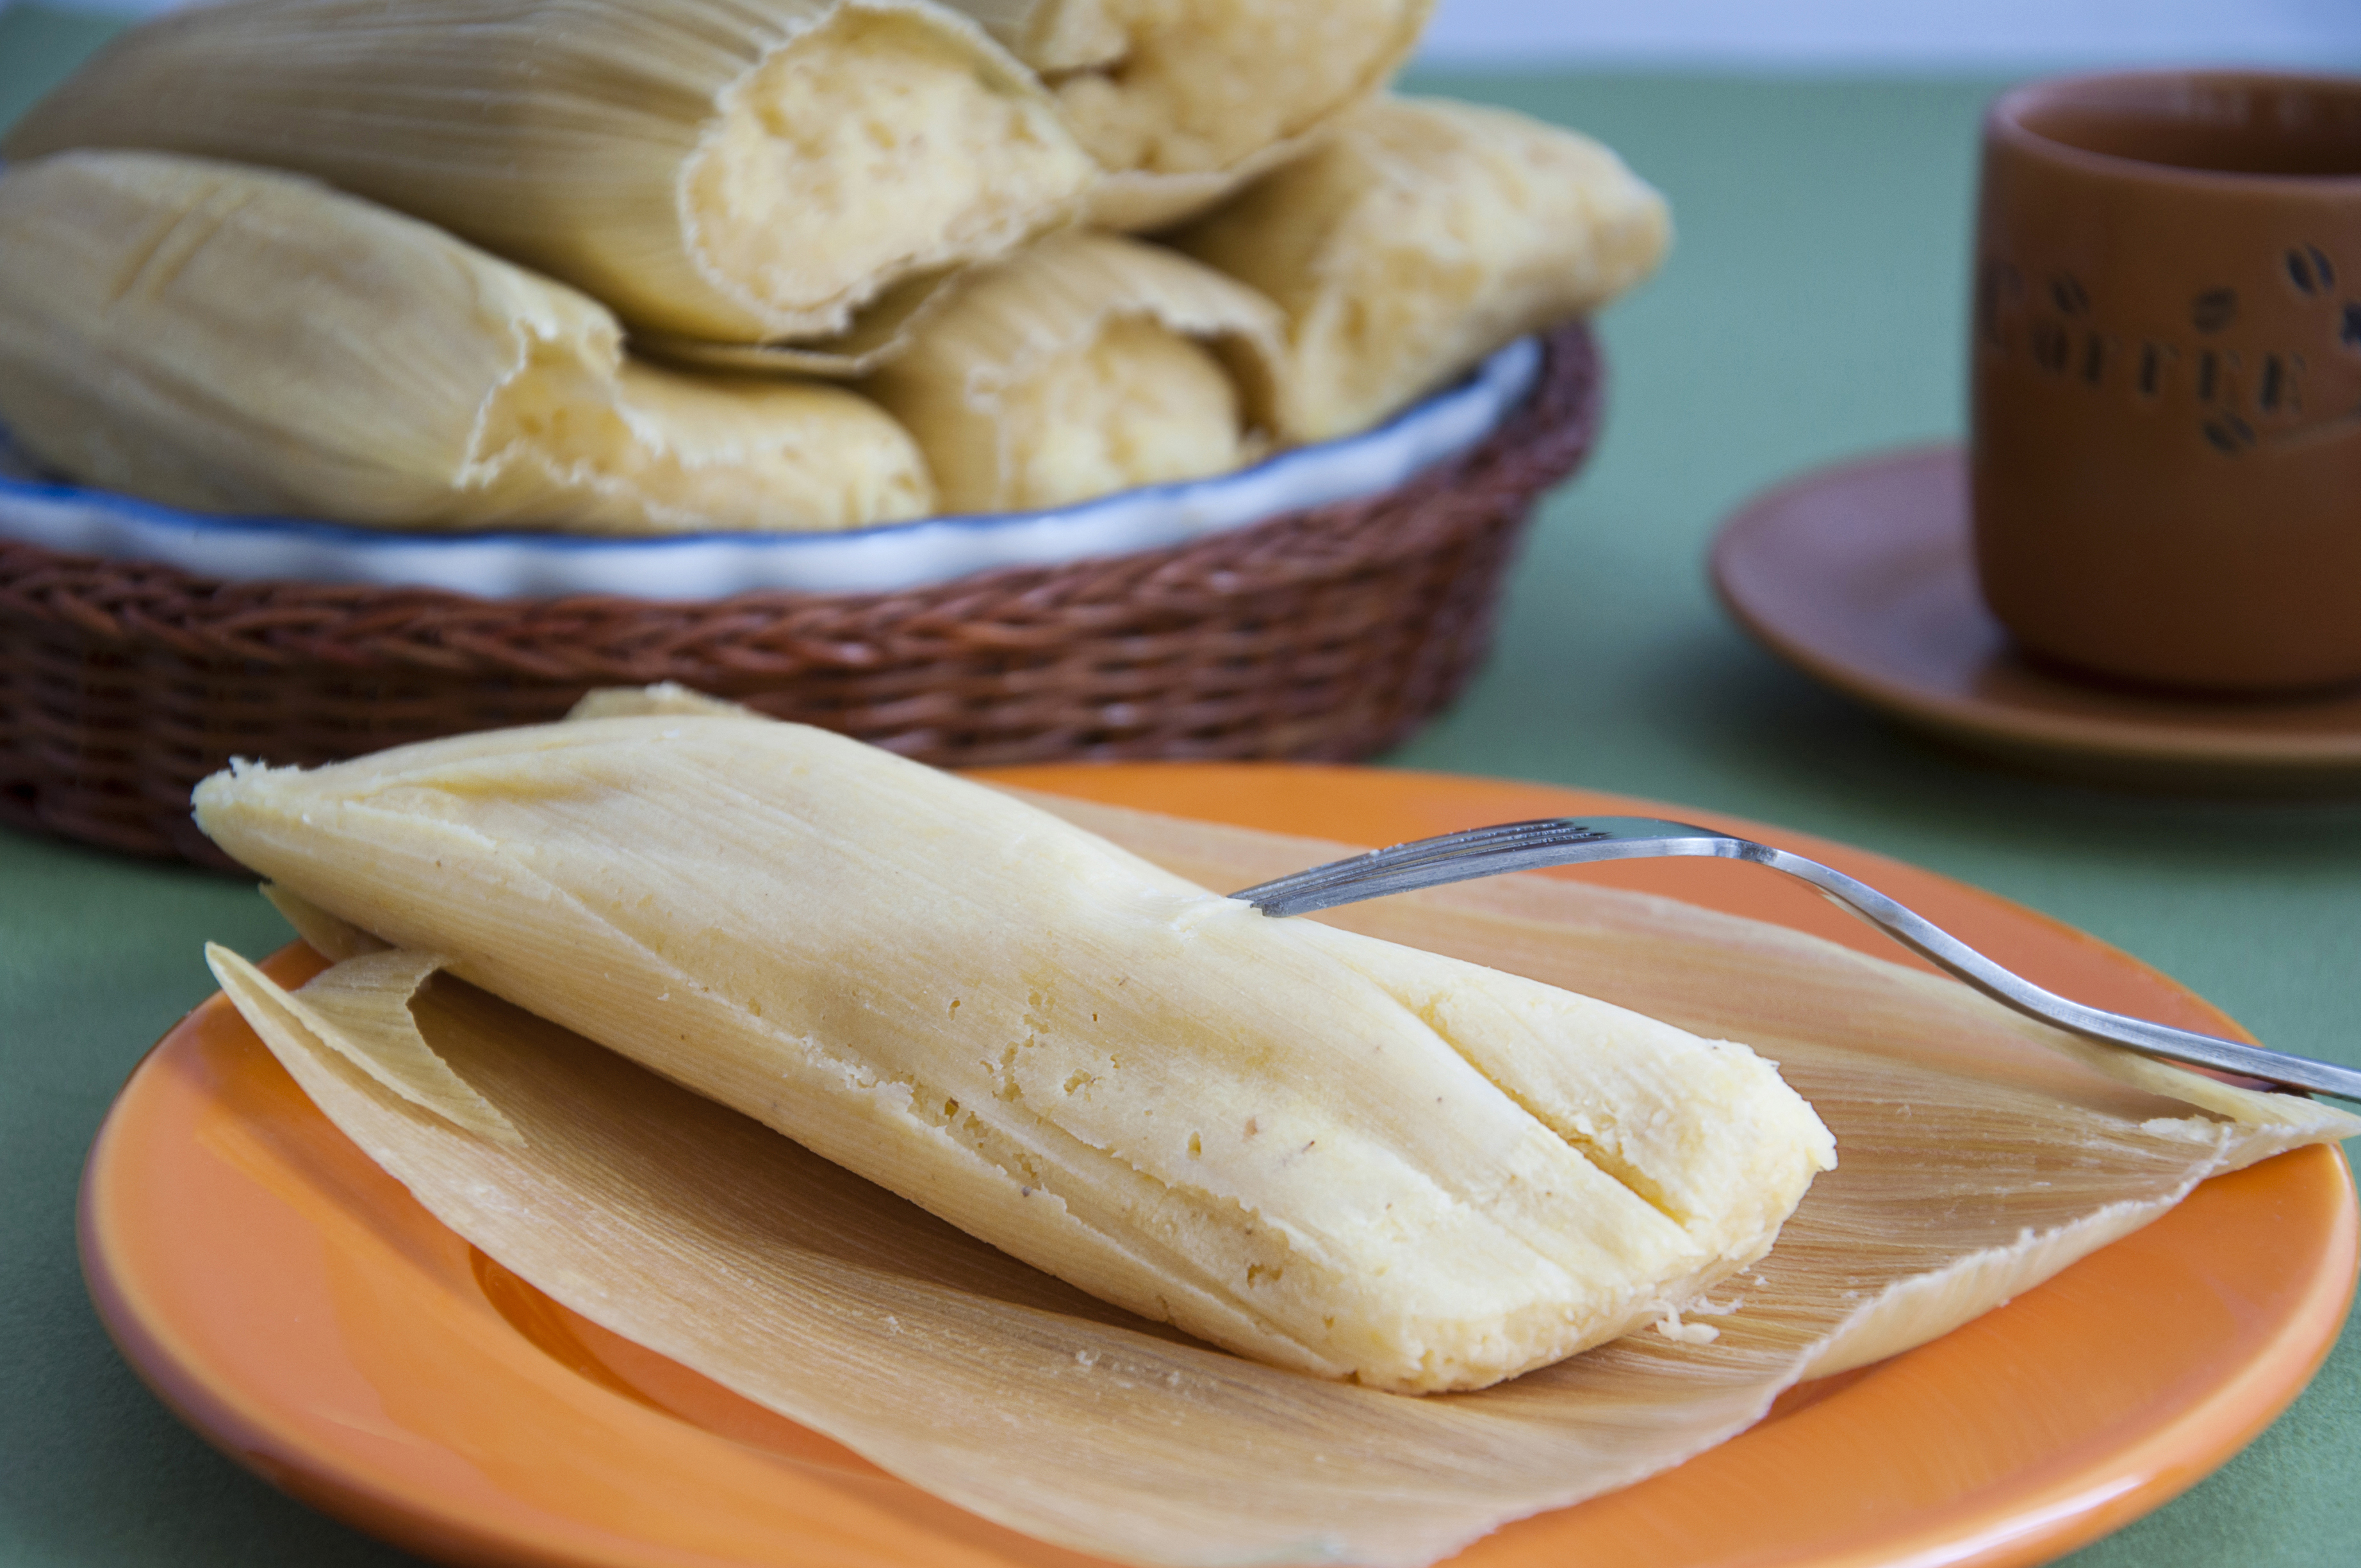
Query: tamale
{"type": "Point", "coordinates": [1316, 1149]}
{"type": "Point", "coordinates": [1086, 364]}
{"type": "Point", "coordinates": [731, 170]}
{"type": "Point", "coordinates": [1979, 1161]}
{"type": "Point", "coordinates": [233, 339]}
{"type": "Point", "coordinates": [1183, 100]}
{"type": "Point", "coordinates": [1417, 237]}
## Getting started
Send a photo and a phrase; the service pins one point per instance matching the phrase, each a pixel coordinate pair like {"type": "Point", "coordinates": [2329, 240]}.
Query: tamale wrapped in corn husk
{"type": "Point", "coordinates": [1182, 101]}
{"type": "Point", "coordinates": [1116, 1075]}
{"type": "Point", "coordinates": [234, 339]}
{"type": "Point", "coordinates": [1417, 237]}
{"type": "Point", "coordinates": [732, 169]}
{"type": "Point", "coordinates": [1086, 364]}
{"type": "Point", "coordinates": [1983, 1154]}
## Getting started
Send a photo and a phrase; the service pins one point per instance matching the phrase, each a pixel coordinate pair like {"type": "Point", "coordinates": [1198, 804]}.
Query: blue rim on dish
{"type": "Point", "coordinates": [512, 564]}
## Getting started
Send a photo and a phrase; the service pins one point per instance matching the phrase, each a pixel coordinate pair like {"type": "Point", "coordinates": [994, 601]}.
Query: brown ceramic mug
{"type": "Point", "coordinates": [2166, 469]}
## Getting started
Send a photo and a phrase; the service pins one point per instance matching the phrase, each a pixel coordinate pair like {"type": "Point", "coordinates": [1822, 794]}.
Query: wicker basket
{"type": "Point", "coordinates": [1329, 633]}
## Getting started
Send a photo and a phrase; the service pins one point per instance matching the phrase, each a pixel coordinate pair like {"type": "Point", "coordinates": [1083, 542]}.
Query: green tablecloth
{"type": "Point", "coordinates": [1813, 309]}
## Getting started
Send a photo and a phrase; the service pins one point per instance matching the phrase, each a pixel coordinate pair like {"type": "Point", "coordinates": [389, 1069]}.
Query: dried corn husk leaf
{"type": "Point", "coordinates": [1417, 237]}
{"type": "Point", "coordinates": [331, 936]}
{"type": "Point", "coordinates": [1182, 101]}
{"type": "Point", "coordinates": [884, 329]}
{"type": "Point", "coordinates": [630, 702]}
{"type": "Point", "coordinates": [727, 170]}
{"type": "Point", "coordinates": [360, 1010]}
{"type": "Point", "coordinates": [234, 339]}
{"type": "Point", "coordinates": [1978, 1160]}
{"type": "Point", "coordinates": [1086, 365]}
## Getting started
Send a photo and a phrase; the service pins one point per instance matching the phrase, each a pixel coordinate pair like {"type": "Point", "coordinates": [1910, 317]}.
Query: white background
{"type": "Point", "coordinates": [1907, 35]}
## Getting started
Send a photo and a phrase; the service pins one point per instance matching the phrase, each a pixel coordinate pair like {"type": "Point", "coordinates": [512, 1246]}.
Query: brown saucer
{"type": "Point", "coordinates": [1861, 575]}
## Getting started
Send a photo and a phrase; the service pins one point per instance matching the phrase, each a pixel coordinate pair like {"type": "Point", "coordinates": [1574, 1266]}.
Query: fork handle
{"type": "Point", "coordinates": [2012, 990]}
{"type": "Point", "coordinates": [1526, 846]}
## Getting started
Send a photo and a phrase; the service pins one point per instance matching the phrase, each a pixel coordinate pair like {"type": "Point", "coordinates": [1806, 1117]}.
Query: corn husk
{"type": "Point", "coordinates": [1098, 1068]}
{"type": "Point", "coordinates": [731, 169]}
{"type": "Point", "coordinates": [233, 339]}
{"type": "Point", "coordinates": [884, 327]}
{"type": "Point", "coordinates": [332, 937]}
{"type": "Point", "coordinates": [1417, 237]}
{"type": "Point", "coordinates": [360, 1008]}
{"type": "Point", "coordinates": [1979, 1158]}
{"type": "Point", "coordinates": [1182, 101]}
{"type": "Point", "coordinates": [1088, 364]}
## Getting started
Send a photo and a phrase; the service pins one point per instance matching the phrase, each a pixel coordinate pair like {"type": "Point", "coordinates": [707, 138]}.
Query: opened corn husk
{"type": "Point", "coordinates": [1979, 1158]}
{"type": "Point", "coordinates": [1103, 1069]}
{"type": "Point", "coordinates": [1086, 365]}
{"type": "Point", "coordinates": [734, 169]}
{"type": "Point", "coordinates": [1183, 100]}
{"type": "Point", "coordinates": [1417, 237]}
{"type": "Point", "coordinates": [232, 339]}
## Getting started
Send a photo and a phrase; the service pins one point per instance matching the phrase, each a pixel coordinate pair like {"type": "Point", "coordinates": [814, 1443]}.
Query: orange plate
{"type": "Point", "coordinates": [294, 1304]}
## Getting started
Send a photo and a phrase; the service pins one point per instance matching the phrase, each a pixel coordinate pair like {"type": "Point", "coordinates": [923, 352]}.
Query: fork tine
{"type": "Point", "coordinates": [1364, 869]}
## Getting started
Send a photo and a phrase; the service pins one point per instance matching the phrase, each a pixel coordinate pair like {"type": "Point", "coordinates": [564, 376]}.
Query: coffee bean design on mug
{"type": "Point", "coordinates": [2240, 393]}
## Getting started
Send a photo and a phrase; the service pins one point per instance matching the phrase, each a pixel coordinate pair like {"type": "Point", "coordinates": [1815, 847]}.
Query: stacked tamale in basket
{"type": "Point", "coordinates": [660, 267]}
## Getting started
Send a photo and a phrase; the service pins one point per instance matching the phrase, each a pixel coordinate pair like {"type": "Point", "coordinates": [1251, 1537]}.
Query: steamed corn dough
{"type": "Point", "coordinates": [1088, 364]}
{"type": "Point", "coordinates": [1326, 1153]}
{"type": "Point", "coordinates": [231, 339]}
{"type": "Point", "coordinates": [731, 169]}
{"type": "Point", "coordinates": [1181, 99]}
{"type": "Point", "coordinates": [1417, 237]}
{"type": "Point", "coordinates": [1983, 1153]}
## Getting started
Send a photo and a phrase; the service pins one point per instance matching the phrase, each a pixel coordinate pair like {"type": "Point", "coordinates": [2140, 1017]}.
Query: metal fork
{"type": "Point", "coordinates": [1557, 841]}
